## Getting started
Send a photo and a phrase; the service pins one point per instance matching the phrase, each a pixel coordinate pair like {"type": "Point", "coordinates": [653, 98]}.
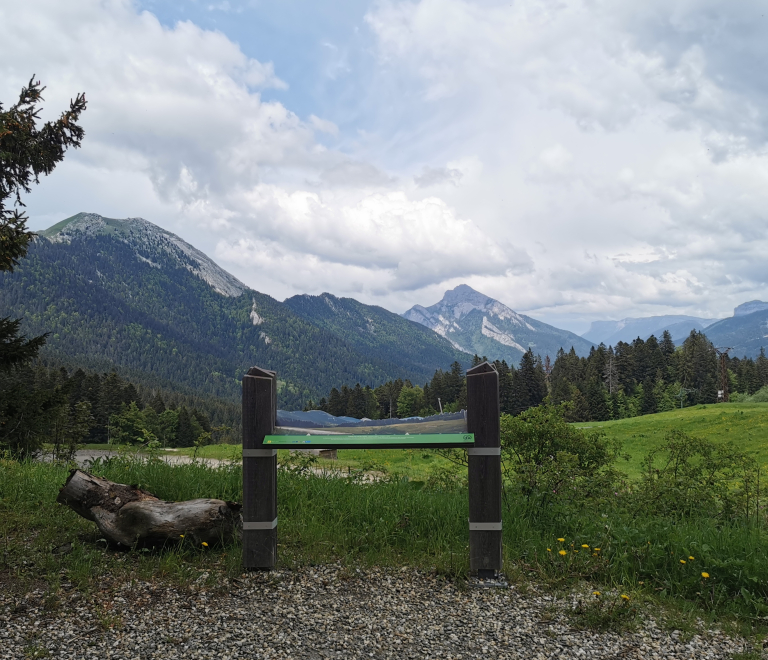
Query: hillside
{"type": "Point", "coordinates": [746, 424]}
{"type": "Point", "coordinates": [128, 295]}
{"type": "Point", "coordinates": [375, 331]}
{"type": "Point", "coordinates": [475, 323]}
{"type": "Point", "coordinates": [746, 332]}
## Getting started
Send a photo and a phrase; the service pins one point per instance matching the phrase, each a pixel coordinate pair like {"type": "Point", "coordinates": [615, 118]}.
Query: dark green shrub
{"type": "Point", "coordinates": [555, 466]}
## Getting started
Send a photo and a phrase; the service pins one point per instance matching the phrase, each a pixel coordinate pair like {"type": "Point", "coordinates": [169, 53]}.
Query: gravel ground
{"type": "Point", "coordinates": [324, 612]}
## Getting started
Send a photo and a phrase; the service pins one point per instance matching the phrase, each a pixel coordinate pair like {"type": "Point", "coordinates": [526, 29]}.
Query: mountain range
{"type": "Point", "coordinates": [627, 330]}
{"type": "Point", "coordinates": [130, 296]}
{"type": "Point", "coordinates": [745, 333]}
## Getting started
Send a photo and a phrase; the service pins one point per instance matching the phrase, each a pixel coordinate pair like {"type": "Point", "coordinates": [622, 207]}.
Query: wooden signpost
{"type": "Point", "coordinates": [482, 442]}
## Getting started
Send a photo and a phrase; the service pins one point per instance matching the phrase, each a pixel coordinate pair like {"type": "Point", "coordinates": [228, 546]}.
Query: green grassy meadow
{"type": "Point", "coordinates": [745, 424]}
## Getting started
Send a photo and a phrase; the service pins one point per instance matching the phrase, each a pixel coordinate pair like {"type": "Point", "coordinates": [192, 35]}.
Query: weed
{"type": "Point", "coordinates": [602, 612]}
{"type": "Point", "coordinates": [35, 651]}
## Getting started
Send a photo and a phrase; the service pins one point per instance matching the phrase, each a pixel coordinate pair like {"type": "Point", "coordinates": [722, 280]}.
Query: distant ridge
{"type": "Point", "coordinates": [627, 330]}
{"type": "Point", "coordinates": [475, 323]}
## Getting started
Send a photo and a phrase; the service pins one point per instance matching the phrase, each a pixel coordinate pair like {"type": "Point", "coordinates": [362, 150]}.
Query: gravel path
{"type": "Point", "coordinates": [324, 612]}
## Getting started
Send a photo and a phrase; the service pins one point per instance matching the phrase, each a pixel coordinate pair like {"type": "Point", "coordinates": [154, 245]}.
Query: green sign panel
{"type": "Point", "coordinates": [369, 441]}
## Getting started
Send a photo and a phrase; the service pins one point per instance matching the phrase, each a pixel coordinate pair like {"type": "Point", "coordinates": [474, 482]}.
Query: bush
{"type": "Point", "coordinates": [688, 476]}
{"type": "Point", "coordinates": [761, 396]}
{"type": "Point", "coordinates": [554, 465]}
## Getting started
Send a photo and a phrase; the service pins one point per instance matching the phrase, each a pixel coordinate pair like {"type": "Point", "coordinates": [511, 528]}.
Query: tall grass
{"type": "Point", "coordinates": [325, 518]}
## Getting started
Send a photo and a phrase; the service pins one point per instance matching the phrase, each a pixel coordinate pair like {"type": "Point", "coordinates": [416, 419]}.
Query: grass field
{"type": "Point", "coordinates": [386, 523]}
{"type": "Point", "coordinates": [746, 424]}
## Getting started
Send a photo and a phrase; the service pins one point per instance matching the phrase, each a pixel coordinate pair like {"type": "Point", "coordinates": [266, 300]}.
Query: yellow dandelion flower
{"type": "Point", "coordinates": [691, 558]}
{"type": "Point", "coordinates": [596, 549]}
{"type": "Point", "coordinates": [584, 545]}
{"type": "Point", "coordinates": [205, 544]}
{"type": "Point", "coordinates": [549, 549]}
{"type": "Point", "coordinates": [561, 540]}
{"type": "Point", "coordinates": [563, 552]}
{"type": "Point", "coordinates": [624, 597]}
{"type": "Point", "coordinates": [704, 574]}
{"type": "Point", "coordinates": [181, 535]}
{"type": "Point", "coordinates": [682, 561]}
{"type": "Point", "coordinates": [595, 593]}
{"type": "Point", "coordinates": [641, 583]}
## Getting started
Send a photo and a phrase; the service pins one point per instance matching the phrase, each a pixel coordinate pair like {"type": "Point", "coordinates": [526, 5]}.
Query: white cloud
{"type": "Point", "coordinates": [574, 158]}
{"type": "Point", "coordinates": [634, 132]}
{"type": "Point", "coordinates": [181, 107]}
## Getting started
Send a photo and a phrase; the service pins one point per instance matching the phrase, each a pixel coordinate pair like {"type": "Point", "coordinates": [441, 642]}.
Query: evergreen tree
{"type": "Point", "coordinates": [185, 433]}
{"type": "Point", "coordinates": [205, 423]}
{"type": "Point", "coordinates": [336, 406]}
{"type": "Point", "coordinates": [26, 152]}
{"type": "Point", "coordinates": [761, 365]}
{"type": "Point", "coordinates": [356, 404]}
{"type": "Point", "coordinates": [157, 403]}
{"type": "Point", "coordinates": [611, 372]}
{"type": "Point", "coordinates": [598, 401]}
{"type": "Point", "coordinates": [648, 400]}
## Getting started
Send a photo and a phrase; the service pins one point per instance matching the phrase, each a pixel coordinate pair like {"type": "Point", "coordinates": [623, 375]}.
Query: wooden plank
{"type": "Point", "coordinates": [259, 472]}
{"type": "Point", "coordinates": [485, 543]}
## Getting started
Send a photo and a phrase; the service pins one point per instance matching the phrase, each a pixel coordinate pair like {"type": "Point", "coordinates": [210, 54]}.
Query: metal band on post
{"type": "Point", "coordinates": [259, 470]}
{"type": "Point", "coordinates": [485, 543]}
{"type": "Point", "coordinates": [259, 453]}
{"type": "Point", "coordinates": [484, 451]}
{"type": "Point", "coordinates": [247, 526]}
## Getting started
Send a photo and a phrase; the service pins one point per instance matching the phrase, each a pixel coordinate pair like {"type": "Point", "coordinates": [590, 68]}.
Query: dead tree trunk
{"type": "Point", "coordinates": [129, 516]}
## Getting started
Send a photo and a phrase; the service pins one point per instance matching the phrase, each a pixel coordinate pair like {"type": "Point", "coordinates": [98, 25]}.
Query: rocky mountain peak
{"type": "Point", "coordinates": [151, 244]}
{"type": "Point", "coordinates": [750, 307]}
{"type": "Point", "coordinates": [476, 323]}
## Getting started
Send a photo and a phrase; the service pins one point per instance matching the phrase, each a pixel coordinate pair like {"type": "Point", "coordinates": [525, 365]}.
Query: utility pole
{"type": "Point", "coordinates": [722, 393]}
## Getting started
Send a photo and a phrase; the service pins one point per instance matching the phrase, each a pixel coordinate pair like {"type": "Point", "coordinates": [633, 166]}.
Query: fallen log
{"type": "Point", "coordinates": [128, 516]}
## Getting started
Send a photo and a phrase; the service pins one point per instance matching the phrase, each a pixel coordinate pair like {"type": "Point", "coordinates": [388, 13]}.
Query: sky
{"type": "Point", "coordinates": [577, 160]}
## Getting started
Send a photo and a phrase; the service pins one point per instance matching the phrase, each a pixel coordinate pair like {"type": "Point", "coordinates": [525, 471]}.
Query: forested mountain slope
{"type": "Point", "coordinates": [378, 332]}
{"type": "Point", "coordinates": [746, 332]}
{"type": "Point", "coordinates": [126, 294]}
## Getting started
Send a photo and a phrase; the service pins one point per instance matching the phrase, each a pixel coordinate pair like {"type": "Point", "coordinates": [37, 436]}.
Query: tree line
{"type": "Point", "coordinates": [614, 382]}
{"type": "Point", "coordinates": [42, 404]}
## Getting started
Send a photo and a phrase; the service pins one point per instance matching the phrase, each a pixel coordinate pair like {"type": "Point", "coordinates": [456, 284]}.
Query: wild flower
{"type": "Point", "coordinates": [624, 597]}
{"type": "Point", "coordinates": [561, 540]}
{"type": "Point", "coordinates": [563, 552]}
{"type": "Point", "coordinates": [595, 593]}
{"type": "Point", "coordinates": [596, 549]}
{"type": "Point", "coordinates": [205, 545]}
{"type": "Point", "coordinates": [704, 574]}
{"type": "Point", "coordinates": [584, 545]}
{"type": "Point", "coordinates": [181, 535]}
{"type": "Point", "coordinates": [682, 561]}
{"type": "Point", "coordinates": [691, 558]}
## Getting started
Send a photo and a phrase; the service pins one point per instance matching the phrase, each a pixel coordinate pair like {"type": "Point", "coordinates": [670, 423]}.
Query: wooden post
{"type": "Point", "coordinates": [485, 549]}
{"type": "Point", "coordinates": [259, 470]}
